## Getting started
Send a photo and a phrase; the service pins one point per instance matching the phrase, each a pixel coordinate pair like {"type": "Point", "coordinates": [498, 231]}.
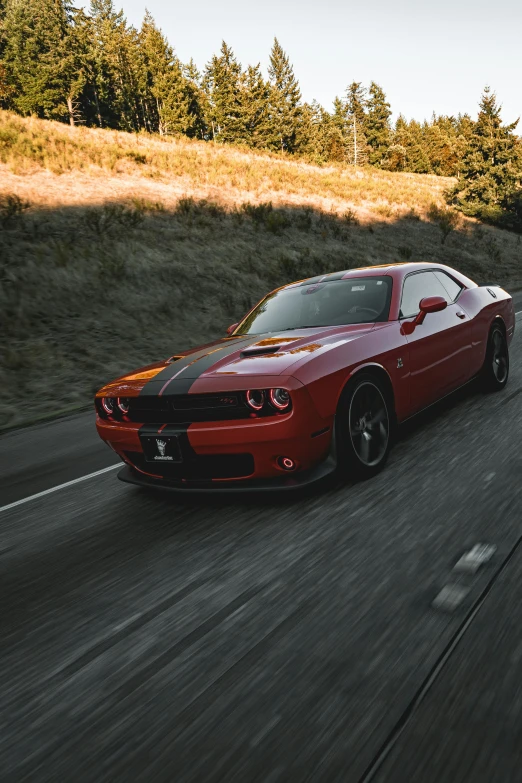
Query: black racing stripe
{"type": "Point", "coordinates": [206, 362]}
{"type": "Point", "coordinates": [173, 368]}
{"type": "Point", "coordinates": [202, 360]}
{"type": "Point", "coordinates": [149, 429]}
{"type": "Point", "coordinates": [180, 430]}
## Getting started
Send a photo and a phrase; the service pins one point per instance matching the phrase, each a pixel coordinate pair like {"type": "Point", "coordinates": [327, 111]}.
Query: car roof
{"type": "Point", "coordinates": [400, 269]}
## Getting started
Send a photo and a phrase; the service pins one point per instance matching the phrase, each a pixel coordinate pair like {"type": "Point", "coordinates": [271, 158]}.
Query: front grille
{"type": "Point", "coordinates": [188, 408]}
{"type": "Point", "coordinates": [203, 467]}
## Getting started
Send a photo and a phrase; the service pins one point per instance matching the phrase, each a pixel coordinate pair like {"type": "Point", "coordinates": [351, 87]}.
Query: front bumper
{"type": "Point", "coordinates": [301, 434]}
{"type": "Point", "coordinates": [282, 483]}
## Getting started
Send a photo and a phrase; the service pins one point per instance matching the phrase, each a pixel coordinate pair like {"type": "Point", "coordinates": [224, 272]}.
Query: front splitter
{"type": "Point", "coordinates": [289, 483]}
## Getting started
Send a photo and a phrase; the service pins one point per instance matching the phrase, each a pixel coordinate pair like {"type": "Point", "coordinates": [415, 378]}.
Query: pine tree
{"type": "Point", "coordinates": [285, 102]}
{"type": "Point", "coordinates": [114, 57]}
{"type": "Point", "coordinates": [197, 102]}
{"type": "Point", "coordinates": [377, 124]}
{"type": "Point", "coordinates": [222, 84]}
{"type": "Point", "coordinates": [357, 147]}
{"type": "Point", "coordinates": [255, 112]}
{"type": "Point", "coordinates": [39, 58]}
{"type": "Point", "coordinates": [407, 151]}
{"type": "Point", "coordinates": [167, 96]}
{"type": "Point", "coordinates": [491, 181]}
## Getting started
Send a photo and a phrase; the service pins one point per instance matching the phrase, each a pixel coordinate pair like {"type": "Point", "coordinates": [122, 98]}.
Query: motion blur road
{"type": "Point", "coordinates": [158, 638]}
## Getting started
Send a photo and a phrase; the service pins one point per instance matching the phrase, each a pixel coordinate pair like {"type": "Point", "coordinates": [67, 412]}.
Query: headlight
{"type": "Point", "coordinates": [255, 399]}
{"type": "Point", "coordinates": [279, 398]}
{"type": "Point", "coordinates": [108, 405]}
{"type": "Point", "coordinates": [124, 405]}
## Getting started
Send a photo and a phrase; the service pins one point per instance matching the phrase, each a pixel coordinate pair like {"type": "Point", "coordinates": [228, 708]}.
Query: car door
{"type": "Point", "coordinates": [440, 347]}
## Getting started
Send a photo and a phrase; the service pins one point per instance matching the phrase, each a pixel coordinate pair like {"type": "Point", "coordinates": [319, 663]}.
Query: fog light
{"type": "Point", "coordinates": [124, 405]}
{"type": "Point", "coordinates": [108, 405]}
{"type": "Point", "coordinates": [286, 463]}
{"type": "Point", "coordinates": [255, 399]}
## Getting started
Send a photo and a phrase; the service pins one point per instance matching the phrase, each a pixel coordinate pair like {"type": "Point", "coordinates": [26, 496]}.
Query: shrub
{"type": "Point", "coordinates": [405, 253]}
{"type": "Point", "coordinates": [257, 212]}
{"type": "Point", "coordinates": [11, 207]}
{"type": "Point", "coordinates": [493, 251]}
{"type": "Point", "coordinates": [146, 205]}
{"type": "Point", "coordinates": [445, 218]}
{"type": "Point", "coordinates": [350, 217]}
{"type": "Point", "coordinates": [100, 220]}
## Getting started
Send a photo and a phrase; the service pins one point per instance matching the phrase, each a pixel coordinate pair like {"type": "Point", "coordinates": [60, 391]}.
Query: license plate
{"type": "Point", "coordinates": [161, 448]}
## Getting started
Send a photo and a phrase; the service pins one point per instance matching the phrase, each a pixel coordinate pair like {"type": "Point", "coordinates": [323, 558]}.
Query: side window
{"type": "Point", "coordinates": [415, 288]}
{"type": "Point", "coordinates": [452, 287]}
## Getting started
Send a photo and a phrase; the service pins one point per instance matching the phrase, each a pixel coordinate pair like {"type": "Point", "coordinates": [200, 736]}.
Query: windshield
{"type": "Point", "coordinates": [331, 303]}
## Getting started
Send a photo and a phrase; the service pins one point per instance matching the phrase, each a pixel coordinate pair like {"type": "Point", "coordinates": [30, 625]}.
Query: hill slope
{"type": "Point", "coordinates": [117, 249]}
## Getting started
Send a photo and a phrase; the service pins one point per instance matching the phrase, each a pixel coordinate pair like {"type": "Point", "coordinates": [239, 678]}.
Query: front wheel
{"type": "Point", "coordinates": [495, 371]}
{"type": "Point", "coordinates": [363, 429]}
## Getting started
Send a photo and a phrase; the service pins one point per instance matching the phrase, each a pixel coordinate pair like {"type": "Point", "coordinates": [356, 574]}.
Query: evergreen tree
{"type": "Point", "coordinates": [357, 147]}
{"type": "Point", "coordinates": [114, 58]}
{"type": "Point", "coordinates": [41, 72]}
{"type": "Point", "coordinates": [377, 124]}
{"type": "Point", "coordinates": [197, 102]}
{"type": "Point", "coordinates": [491, 180]}
{"type": "Point", "coordinates": [255, 112]}
{"type": "Point", "coordinates": [285, 102]}
{"type": "Point", "coordinates": [222, 84]}
{"type": "Point", "coordinates": [407, 151]}
{"type": "Point", "coordinates": [356, 102]}
{"type": "Point", "coordinates": [167, 95]}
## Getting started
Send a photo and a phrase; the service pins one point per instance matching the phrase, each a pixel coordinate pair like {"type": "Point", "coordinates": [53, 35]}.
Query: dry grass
{"type": "Point", "coordinates": [122, 259]}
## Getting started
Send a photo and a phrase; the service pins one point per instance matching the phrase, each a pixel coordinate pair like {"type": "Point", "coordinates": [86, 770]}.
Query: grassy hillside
{"type": "Point", "coordinates": [117, 249]}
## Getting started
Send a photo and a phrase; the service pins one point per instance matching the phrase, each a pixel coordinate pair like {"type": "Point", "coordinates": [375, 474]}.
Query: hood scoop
{"type": "Point", "coordinates": [174, 359]}
{"type": "Point", "coordinates": [260, 351]}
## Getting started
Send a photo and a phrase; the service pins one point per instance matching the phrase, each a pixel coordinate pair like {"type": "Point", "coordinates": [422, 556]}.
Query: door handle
{"type": "Point", "coordinates": [460, 314]}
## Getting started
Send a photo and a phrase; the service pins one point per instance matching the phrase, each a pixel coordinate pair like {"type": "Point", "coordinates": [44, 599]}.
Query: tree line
{"type": "Point", "coordinates": [93, 68]}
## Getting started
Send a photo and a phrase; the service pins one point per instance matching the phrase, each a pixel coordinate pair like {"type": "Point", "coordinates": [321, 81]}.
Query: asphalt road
{"type": "Point", "coordinates": [153, 638]}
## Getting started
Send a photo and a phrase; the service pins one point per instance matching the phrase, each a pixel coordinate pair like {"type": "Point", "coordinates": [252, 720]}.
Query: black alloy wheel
{"type": "Point", "coordinates": [495, 372]}
{"type": "Point", "coordinates": [364, 425]}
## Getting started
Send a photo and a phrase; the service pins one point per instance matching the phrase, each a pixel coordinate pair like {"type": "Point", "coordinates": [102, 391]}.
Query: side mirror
{"type": "Point", "coordinates": [232, 328]}
{"type": "Point", "coordinates": [430, 304]}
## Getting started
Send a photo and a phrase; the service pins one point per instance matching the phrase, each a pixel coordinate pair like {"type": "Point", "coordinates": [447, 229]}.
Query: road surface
{"type": "Point", "coordinates": [153, 638]}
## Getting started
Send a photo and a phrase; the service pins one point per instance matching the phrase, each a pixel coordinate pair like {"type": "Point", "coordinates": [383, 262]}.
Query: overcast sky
{"type": "Point", "coordinates": [428, 56]}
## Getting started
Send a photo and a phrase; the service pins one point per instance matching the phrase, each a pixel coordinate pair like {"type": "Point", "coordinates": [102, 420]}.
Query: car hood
{"type": "Point", "coordinates": [273, 353]}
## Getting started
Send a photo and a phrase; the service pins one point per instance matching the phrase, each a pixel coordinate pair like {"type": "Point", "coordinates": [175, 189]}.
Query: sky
{"type": "Point", "coordinates": [428, 56]}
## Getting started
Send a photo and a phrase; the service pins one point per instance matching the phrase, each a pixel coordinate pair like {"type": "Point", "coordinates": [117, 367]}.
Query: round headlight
{"type": "Point", "coordinates": [108, 405]}
{"type": "Point", "coordinates": [280, 399]}
{"type": "Point", "coordinates": [255, 399]}
{"type": "Point", "coordinates": [123, 405]}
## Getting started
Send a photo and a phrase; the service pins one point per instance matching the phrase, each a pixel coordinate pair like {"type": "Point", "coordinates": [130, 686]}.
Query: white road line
{"type": "Point", "coordinates": [519, 312]}
{"type": "Point", "coordinates": [60, 486]}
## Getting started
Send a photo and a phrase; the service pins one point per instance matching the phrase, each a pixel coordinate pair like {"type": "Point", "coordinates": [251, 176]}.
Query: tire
{"type": "Point", "coordinates": [495, 371]}
{"type": "Point", "coordinates": [364, 427]}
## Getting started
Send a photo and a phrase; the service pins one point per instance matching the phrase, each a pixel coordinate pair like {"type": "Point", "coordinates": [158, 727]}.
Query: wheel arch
{"type": "Point", "coordinates": [378, 371]}
{"type": "Point", "coordinates": [498, 320]}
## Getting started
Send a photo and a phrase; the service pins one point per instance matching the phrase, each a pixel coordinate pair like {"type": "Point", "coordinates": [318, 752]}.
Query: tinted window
{"type": "Point", "coordinates": [415, 288]}
{"type": "Point", "coordinates": [329, 303]}
{"type": "Point", "coordinates": [450, 285]}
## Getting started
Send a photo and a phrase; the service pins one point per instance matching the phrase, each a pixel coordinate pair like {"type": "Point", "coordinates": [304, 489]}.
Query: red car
{"type": "Point", "coordinates": [314, 378]}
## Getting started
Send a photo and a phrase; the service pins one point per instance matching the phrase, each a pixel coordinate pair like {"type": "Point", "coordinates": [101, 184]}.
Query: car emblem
{"type": "Point", "coordinates": [162, 445]}
{"type": "Point", "coordinates": [399, 362]}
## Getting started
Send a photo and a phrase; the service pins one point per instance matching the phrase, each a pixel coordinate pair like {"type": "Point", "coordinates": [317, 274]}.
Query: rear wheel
{"type": "Point", "coordinates": [495, 371]}
{"type": "Point", "coordinates": [363, 429]}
